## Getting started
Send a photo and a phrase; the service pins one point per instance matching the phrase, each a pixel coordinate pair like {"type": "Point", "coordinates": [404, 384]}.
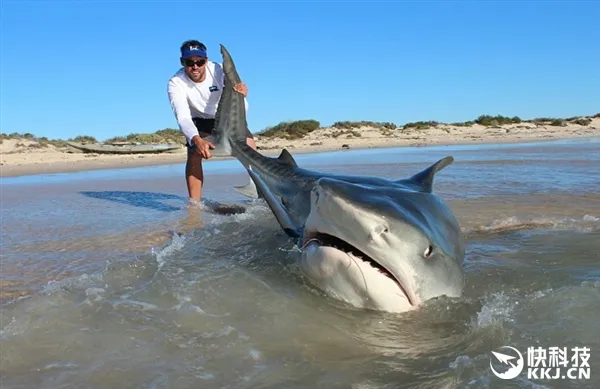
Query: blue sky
{"type": "Point", "coordinates": [101, 67]}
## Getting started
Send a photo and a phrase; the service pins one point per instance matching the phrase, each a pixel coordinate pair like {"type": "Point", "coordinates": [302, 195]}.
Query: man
{"type": "Point", "coordinates": [194, 93]}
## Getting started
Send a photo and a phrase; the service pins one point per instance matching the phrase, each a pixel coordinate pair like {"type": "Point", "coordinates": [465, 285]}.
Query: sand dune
{"type": "Point", "coordinates": [26, 156]}
{"type": "Point", "coordinates": [370, 137]}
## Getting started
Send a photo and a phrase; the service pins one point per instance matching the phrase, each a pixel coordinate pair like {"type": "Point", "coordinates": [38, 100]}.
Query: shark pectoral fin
{"type": "Point", "coordinates": [277, 208]}
{"type": "Point", "coordinates": [425, 178]}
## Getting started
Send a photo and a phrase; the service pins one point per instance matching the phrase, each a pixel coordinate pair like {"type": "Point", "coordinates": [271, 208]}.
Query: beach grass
{"type": "Point", "coordinates": [299, 129]}
{"type": "Point", "coordinates": [26, 153]}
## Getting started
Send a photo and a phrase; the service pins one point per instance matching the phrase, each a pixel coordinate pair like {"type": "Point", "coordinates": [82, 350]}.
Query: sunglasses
{"type": "Point", "coordinates": [189, 63]}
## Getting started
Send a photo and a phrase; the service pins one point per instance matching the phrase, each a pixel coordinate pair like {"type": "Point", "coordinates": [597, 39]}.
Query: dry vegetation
{"type": "Point", "coordinates": [299, 129]}
{"type": "Point", "coordinates": [167, 135]}
{"type": "Point", "coordinates": [28, 154]}
{"type": "Point", "coordinates": [294, 130]}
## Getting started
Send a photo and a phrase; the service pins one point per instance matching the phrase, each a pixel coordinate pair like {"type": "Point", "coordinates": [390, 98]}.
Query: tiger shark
{"type": "Point", "coordinates": [374, 243]}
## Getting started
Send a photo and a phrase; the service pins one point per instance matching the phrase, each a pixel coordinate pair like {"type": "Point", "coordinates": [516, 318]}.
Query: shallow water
{"type": "Point", "coordinates": [98, 291]}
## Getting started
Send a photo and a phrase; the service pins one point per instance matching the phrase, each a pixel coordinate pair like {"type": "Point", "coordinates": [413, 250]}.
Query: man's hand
{"type": "Point", "coordinates": [203, 147]}
{"type": "Point", "coordinates": [241, 88]}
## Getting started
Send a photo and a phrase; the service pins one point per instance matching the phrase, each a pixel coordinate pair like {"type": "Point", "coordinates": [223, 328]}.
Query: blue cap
{"type": "Point", "coordinates": [192, 52]}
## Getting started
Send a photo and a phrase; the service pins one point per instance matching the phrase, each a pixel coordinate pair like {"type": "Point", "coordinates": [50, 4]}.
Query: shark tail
{"type": "Point", "coordinates": [231, 127]}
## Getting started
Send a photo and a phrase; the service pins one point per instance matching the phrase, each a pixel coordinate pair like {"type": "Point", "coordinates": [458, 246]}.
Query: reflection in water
{"type": "Point", "coordinates": [138, 199]}
{"type": "Point", "coordinates": [26, 265]}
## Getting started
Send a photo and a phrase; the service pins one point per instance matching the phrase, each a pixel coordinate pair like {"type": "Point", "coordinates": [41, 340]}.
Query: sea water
{"type": "Point", "coordinates": [111, 279]}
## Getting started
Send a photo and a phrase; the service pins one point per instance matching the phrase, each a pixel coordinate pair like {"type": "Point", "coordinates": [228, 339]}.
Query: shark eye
{"type": "Point", "coordinates": [428, 251]}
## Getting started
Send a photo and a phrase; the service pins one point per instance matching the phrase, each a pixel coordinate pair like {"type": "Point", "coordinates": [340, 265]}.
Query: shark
{"type": "Point", "coordinates": [372, 242]}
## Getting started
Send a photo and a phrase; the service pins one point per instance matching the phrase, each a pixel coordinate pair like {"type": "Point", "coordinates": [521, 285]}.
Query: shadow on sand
{"type": "Point", "coordinates": [139, 199]}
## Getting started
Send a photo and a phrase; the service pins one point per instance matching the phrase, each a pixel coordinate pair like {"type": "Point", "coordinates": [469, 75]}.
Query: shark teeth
{"type": "Point", "coordinates": [325, 239]}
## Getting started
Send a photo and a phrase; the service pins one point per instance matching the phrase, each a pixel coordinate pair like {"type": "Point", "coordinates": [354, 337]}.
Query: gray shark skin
{"type": "Point", "coordinates": [374, 243]}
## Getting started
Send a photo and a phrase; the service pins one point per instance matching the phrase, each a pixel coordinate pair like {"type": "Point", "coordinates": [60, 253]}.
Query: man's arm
{"type": "Point", "coordinates": [182, 112]}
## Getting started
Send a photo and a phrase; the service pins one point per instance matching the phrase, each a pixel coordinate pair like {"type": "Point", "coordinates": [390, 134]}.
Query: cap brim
{"type": "Point", "coordinates": [193, 53]}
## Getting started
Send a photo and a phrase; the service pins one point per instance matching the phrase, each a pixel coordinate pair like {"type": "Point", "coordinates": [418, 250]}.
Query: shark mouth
{"type": "Point", "coordinates": [328, 240]}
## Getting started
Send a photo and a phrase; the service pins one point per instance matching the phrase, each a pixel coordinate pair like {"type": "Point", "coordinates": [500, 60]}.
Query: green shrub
{"type": "Point", "coordinates": [558, 122]}
{"type": "Point", "coordinates": [290, 130]}
{"type": "Point", "coordinates": [582, 121]}
{"type": "Point", "coordinates": [421, 125]}
{"type": "Point", "coordinates": [84, 139]}
{"type": "Point", "coordinates": [498, 120]}
{"type": "Point", "coordinates": [463, 124]}
{"type": "Point", "coordinates": [347, 125]}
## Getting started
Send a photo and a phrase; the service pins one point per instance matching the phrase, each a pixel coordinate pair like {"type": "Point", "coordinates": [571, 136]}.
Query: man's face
{"type": "Point", "coordinates": [195, 67]}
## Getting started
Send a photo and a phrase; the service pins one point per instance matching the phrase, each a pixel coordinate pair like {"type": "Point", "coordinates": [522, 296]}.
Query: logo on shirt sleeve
{"type": "Point", "coordinates": [213, 88]}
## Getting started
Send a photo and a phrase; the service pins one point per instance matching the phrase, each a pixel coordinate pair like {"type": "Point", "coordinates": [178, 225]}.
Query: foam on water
{"type": "Point", "coordinates": [587, 223]}
{"type": "Point", "coordinates": [510, 314]}
{"type": "Point", "coordinates": [162, 254]}
{"type": "Point", "coordinates": [497, 309]}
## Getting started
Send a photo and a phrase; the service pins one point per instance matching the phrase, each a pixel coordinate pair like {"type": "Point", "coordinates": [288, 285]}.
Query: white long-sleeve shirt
{"type": "Point", "coordinates": [196, 100]}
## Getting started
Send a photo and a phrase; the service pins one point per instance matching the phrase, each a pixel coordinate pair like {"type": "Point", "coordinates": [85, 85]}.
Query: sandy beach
{"type": "Point", "coordinates": [26, 157]}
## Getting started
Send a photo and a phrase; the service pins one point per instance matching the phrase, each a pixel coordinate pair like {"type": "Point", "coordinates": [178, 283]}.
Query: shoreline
{"type": "Point", "coordinates": [34, 161]}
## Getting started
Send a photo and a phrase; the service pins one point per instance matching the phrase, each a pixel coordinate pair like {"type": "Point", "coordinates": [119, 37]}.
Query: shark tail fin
{"type": "Point", "coordinates": [425, 177]}
{"type": "Point", "coordinates": [230, 119]}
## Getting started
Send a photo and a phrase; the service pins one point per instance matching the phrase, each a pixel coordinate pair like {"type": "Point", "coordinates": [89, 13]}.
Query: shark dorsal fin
{"type": "Point", "coordinates": [286, 158]}
{"type": "Point", "coordinates": [425, 178]}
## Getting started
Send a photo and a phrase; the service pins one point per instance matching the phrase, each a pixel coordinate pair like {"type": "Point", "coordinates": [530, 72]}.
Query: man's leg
{"type": "Point", "coordinates": [194, 174]}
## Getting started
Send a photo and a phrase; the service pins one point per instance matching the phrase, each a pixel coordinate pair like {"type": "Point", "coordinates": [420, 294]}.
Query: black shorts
{"type": "Point", "coordinates": [205, 128]}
